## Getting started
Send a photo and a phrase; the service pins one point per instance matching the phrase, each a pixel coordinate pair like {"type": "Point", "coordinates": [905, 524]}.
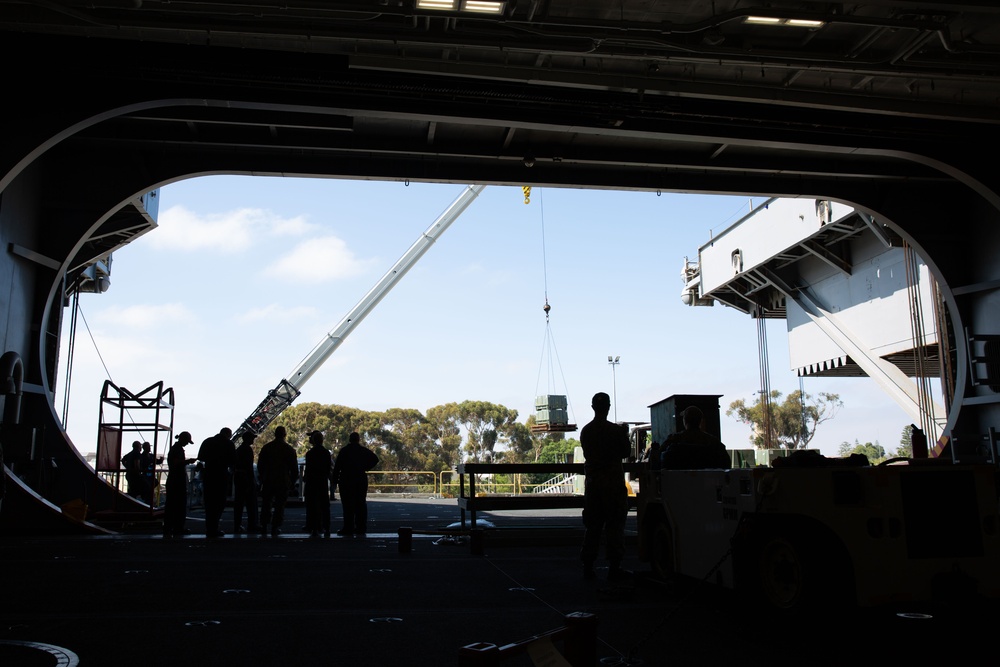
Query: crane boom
{"type": "Point", "coordinates": [290, 387]}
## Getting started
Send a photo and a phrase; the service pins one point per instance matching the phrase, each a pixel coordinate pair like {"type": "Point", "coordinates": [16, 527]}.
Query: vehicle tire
{"type": "Point", "coordinates": [783, 574]}
{"type": "Point", "coordinates": [661, 550]}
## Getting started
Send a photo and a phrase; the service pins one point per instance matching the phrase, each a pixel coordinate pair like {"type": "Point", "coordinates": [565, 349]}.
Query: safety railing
{"type": "Point", "coordinates": [513, 480]}
{"type": "Point", "coordinates": [394, 482]}
{"type": "Point", "coordinates": [561, 483]}
{"type": "Point", "coordinates": [448, 486]}
{"type": "Point", "coordinates": [500, 486]}
{"type": "Point", "coordinates": [116, 478]}
{"type": "Point", "coordinates": [403, 482]}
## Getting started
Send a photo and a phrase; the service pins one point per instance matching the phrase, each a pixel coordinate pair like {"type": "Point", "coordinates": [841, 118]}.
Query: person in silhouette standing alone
{"type": "Point", "coordinates": [605, 498]}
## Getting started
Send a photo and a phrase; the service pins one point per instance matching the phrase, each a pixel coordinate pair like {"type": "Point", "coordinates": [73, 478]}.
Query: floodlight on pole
{"type": "Point", "coordinates": [614, 383]}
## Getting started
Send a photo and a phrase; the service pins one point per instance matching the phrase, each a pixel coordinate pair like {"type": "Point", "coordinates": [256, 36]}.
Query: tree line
{"type": "Point", "coordinates": [484, 432]}
{"type": "Point", "coordinates": [792, 424]}
{"type": "Point", "coordinates": [438, 440]}
{"type": "Point", "coordinates": [787, 424]}
{"type": "Point", "coordinates": [876, 453]}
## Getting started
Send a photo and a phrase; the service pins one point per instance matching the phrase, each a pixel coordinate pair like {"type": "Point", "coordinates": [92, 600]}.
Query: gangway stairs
{"type": "Point", "coordinates": [562, 483]}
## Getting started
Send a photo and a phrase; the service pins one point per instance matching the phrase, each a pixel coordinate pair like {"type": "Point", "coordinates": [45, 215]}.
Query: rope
{"type": "Point", "coordinates": [549, 352]}
{"type": "Point", "coordinates": [917, 333]}
{"type": "Point", "coordinates": [546, 356]}
{"type": "Point", "coordinates": [944, 353]}
{"type": "Point", "coordinates": [99, 356]}
{"type": "Point", "coordinates": [545, 268]}
{"type": "Point", "coordinates": [96, 349]}
{"type": "Point", "coordinates": [69, 357]}
{"type": "Point", "coordinates": [765, 375]}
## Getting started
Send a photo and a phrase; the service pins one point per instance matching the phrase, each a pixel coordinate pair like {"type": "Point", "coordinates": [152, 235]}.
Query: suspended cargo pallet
{"type": "Point", "coordinates": [550, 402]}
{"type": "Point", "coordinates": [552, 410]}
{"type": "Point", "coordinates": [553, 428]}
{"type": "Point", "coordinates": [551, 414]}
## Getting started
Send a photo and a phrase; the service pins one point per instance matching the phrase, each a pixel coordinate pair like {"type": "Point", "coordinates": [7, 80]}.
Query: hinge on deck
{"type": "Point", "coordinates": [984, 360]}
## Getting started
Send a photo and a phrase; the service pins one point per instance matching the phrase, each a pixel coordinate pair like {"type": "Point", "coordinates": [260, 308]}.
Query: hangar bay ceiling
{"type": "Point", "coordinates": [635, 94]}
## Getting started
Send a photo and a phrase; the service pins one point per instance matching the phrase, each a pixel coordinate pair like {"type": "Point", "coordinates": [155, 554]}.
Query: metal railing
{"type": "Point", "coordinates": [443, 484]}
{"type": "Point", "coordinates": [386, 482]}
{"type": "Point", "coordinates": [561, 483]}
{"type": "Point", "coordinates": [406, 482]}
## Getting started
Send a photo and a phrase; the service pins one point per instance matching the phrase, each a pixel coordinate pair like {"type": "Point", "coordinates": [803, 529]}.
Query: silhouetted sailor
{"type": "Point", "coordinates": [605, 498]}
{"type": "Point", "coordinates": [132, 462]}
{"type": "Point", "coordinates": [350, 471]}
{"type": "Point", "coordinates": [693, 448]}
{"type": "Point", "coordinates": [278, 468]}
{"type": "Point", "coordinates": [217, 454]}
{"type": "Point", "coordinates": [319, 466]}
{"type": "Point", "coordinates": [147, 462]}
{"type": "Point", "coordinates": [245, 485]}
{"type": "Point", "coordinates": [177, 496]}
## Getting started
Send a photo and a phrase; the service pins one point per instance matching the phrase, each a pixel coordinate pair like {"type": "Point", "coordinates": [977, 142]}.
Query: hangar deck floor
{"type": "Point", "coordinates": [139, 599]}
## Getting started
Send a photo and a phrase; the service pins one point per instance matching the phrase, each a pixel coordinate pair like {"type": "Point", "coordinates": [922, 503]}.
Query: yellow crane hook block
{"type": "Point", "coordinates": [527, 193]}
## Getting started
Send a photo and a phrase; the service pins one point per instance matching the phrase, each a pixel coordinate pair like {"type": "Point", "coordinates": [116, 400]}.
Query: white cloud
{"type": "Point", "coordinates": [317, 261]}
{"type": "Point", "coordinates": [229, 232]}
{"type": "Point", "coordinates": [482, 276]}
{"type": "Point", "coordinates": [145, 316]}
{"type": "Point", "coordinates": [276, 311]}
{"type": "Point", "coordinates": [296, 226]}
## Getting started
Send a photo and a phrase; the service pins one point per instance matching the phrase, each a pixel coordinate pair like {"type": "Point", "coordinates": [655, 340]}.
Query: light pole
{"type": "Point", "coordinates": [614, 383]}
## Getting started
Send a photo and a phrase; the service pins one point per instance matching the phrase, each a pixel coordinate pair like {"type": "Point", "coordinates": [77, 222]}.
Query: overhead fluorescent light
{"type": "Point", "coordinates": [791, 23]}
{"type": "Point", "coordinates": [482, 6]}
{"type": "Point", "coordinates": [472, 6]}
{"type": "Point", "coordinates": [804, 23]}
{"type": "Point", "coordinates": [446, 5]}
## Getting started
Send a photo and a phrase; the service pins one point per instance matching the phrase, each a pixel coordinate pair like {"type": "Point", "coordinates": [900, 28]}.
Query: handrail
{"type": "Point", "coordinates": [556, 484]}
{"type": "Point", "coordinates": [435, 480]}
{"type": "Point", "coordinates": [526, 468]}
{"type": "Point", "coordinates": [444, 483]}
{"type": "Point", "coordinates": [473, 476]}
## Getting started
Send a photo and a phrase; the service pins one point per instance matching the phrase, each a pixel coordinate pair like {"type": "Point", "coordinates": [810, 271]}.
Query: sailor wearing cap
{"type": "Point", "coordinates": [176, 508]}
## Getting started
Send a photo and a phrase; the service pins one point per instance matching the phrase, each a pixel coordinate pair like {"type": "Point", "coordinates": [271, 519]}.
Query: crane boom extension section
{"type": "Point", "coordinates": [290, 387]}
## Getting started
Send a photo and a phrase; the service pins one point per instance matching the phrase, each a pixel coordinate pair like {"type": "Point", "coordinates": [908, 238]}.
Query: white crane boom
{"type": "Point", "coordinates": [290, 387]}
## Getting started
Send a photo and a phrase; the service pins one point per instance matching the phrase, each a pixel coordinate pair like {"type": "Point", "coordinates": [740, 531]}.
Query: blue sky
{"type": "Point", "coordinates": [245, 275]}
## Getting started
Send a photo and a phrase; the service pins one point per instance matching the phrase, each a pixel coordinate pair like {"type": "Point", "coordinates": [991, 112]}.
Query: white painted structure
{"type": "Point", "coordinates": [857, 302]}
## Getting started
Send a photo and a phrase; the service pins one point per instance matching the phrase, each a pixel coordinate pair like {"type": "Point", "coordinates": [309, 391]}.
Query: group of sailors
{"type": "Point", "coordinates": [224, 466]}
{"type": "Point", "coordinates": [140, 472]}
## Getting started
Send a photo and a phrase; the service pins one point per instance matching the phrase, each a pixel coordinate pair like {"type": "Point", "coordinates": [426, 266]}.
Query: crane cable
{"type": "Point", "coordinates": [547, 342]}
{"type": "Point", "coordinates": [918, 335]}
{"type": "Point", "coordinates": [78, 311]}
{"type": "Point", "coordinates": [765, 376]}
{"type": "Point", "coordinates": [549, 352]}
